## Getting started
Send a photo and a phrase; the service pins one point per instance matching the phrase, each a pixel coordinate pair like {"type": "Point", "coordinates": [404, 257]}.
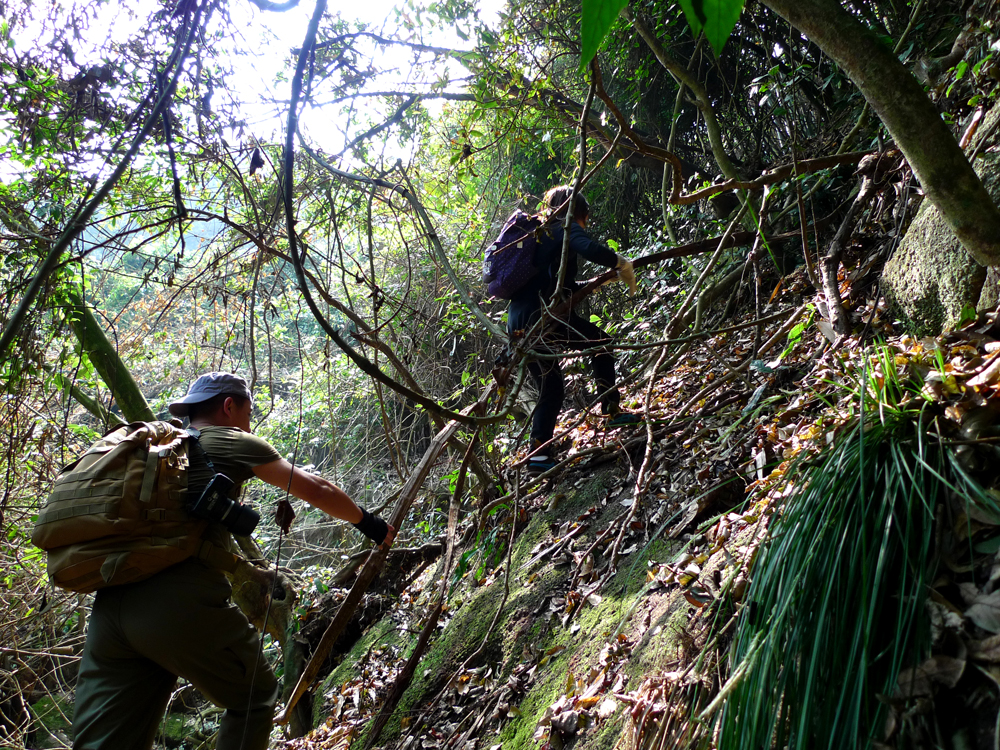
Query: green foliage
{"type": "Point", "coordinates": [716, 18]}
{"type": "Point", "coordinates": [596, 19]}
{"type": "Point", "coordinates": [484, 554]}
{"type": "Point", "coordinates": [968, 315]}
{"type": "Point", "coordinates": [835, 609]}
{"type": "Point", "coordinates": [180, 297]}
{"type": "Point", "coordinates": [881, 389]}
{"type": "Point", "coordinates": [795, 335]}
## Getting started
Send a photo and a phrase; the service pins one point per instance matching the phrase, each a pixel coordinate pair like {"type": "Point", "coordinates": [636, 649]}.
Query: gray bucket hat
{"type": "Point", "coordinates": [209, 385]}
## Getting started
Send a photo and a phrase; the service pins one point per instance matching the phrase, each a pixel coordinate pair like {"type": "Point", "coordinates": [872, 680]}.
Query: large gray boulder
{"type": "Point", "coordinates": [930, 278]}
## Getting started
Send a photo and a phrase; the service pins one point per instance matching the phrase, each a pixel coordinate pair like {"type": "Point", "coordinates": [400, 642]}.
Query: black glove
{"type": "Point", "coordinates": [372, 527]}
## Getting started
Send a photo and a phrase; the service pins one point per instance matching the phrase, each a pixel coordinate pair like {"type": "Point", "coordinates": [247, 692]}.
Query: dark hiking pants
{"type": "Point", "coordinates": [577, 334]}
{"type": "Point", "coordinates": [142, 636]}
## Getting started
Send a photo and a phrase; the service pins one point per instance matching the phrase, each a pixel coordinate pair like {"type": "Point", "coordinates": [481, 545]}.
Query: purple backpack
{"type": "Point", "coordinates": [510, 261]}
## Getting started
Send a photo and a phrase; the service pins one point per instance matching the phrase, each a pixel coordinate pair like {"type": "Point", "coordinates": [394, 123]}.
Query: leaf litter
{"type": "Point", "coordinates": [719, 476]}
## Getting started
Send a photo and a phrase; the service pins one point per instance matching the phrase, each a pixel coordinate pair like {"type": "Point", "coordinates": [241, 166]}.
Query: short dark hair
{"type": "Point", "coordinates": [557, 199]}
{"type": "Point", "coordinates": [209, 407]}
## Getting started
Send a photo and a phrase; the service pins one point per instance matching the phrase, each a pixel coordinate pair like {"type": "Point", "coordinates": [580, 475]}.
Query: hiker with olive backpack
{"type": "Point", "coordinates": [145, 518]}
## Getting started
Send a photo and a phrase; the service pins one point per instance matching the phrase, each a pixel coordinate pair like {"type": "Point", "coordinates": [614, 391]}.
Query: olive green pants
{"type": "Point", "coordinates": [142, 636]}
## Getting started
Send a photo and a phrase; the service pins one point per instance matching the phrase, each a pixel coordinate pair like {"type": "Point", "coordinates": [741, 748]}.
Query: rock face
{"type": "Point", "coordinates": [931, 278]}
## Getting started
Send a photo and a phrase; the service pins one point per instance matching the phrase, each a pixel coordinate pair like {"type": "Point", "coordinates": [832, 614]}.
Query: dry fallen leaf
{"type": "Point", "coordinates": [567, 722]}
{"type": "Point", "coordinates": [827, 330]}
{"type": "Point", "coordinates": [284, 515]}
{"type": "Point", "coordinates": [607, 708]}
{"type": "Point", "coordinates": [987, 650]}
{"type": "Point", "coordinates": [919, 681]}
{"type": "Point", "coordinates": [985, 612]}
{"type": "Point", "coordinates": [988, 374]}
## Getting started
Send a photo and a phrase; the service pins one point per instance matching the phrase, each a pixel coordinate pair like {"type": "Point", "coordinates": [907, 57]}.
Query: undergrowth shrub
{"type": "Point", "coordinates": [836, 605]}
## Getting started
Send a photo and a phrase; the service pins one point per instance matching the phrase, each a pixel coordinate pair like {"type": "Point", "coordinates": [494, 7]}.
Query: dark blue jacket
{"type": "Point", "coordinates": [527, 302]}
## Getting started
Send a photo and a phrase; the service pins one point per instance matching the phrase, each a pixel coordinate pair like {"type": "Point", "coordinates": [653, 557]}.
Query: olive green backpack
{"type": "Point", "coordinates": [117, 514]}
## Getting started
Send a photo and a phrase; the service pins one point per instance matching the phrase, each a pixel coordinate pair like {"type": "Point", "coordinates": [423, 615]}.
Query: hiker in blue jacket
{"type": "Point", "coordinates": [576, 332]}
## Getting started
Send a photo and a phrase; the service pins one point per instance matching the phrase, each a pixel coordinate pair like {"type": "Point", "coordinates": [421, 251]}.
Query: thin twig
{"type": "Point", "coordinates": [570, 209]}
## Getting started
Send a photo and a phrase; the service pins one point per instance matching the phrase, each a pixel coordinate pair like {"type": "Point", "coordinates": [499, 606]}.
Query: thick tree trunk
{"type": "Point", "coordinates": [899, 100]}
{"type": "Point", "coordinates": [929, 281]}
{"type": "Point", "coordinates": [104, 356]}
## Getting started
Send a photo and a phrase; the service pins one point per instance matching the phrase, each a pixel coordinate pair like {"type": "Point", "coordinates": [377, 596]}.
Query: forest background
{"type": "Point", "coordinates": [304, 197]}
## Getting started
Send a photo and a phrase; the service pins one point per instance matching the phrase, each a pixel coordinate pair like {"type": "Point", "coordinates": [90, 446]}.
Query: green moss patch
{"type": "Point", "coordinates": [529, 641]}
{"type": "Point", "coordinates": [53, 715]}
{"type": "Point", "coordinates": [350, 667]}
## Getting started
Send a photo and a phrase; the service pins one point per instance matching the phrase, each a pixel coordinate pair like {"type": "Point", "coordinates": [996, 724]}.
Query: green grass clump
{"type": "Point", "coordinates": [836, 606]}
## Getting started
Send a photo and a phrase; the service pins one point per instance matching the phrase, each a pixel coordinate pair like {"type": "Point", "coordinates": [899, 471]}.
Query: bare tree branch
{"type": "Point", "coordinates": [373, 131]}
{"type": "Point", "coordinates": [80, 219]}
{"type": "Point", "coordinates": [429, 230]}
{"type": "Point", "coordinates": [365, 365]}
{"type": "Point", "coordinates": [446, 95]}
{"type": "Point", "coordinates": [702, 99]}
{"type": "Point", "coordinates": [462, 55]}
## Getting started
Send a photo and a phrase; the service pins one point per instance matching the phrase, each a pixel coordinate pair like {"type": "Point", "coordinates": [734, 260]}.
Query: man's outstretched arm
{"type": "Point", "coordinates": [322, 494]}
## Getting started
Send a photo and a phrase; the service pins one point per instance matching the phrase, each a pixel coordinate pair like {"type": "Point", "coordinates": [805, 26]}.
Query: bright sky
{"type": "Point", "coordinates": [289, 31]}
{"type": "Point", "coordinates": [261, 49]}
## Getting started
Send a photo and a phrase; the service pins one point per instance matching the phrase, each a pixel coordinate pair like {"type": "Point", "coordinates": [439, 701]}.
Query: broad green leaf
{"type": "Point", "coordinates": [967, 315]}
{"type": "Point", "coordinates": [989, 546]}
{"type": "Point", "coordinates": [715, 17]}
{"type": "Point", "coordinates": [596, 17]}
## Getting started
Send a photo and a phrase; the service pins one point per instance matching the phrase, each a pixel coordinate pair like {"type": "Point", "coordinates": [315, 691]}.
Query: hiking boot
{"type": "Point", "coordinates": [624, 419]}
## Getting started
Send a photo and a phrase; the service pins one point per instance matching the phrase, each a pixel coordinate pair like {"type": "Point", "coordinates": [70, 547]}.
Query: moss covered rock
{"type": "Point", "coordinates": [183, 731]}
{"type": "Point", "coordinates": [931, 279]}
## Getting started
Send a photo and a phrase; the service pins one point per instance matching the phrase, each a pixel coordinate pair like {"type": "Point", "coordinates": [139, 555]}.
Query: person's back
{"type": "Point", "coordinates": [548, 256]}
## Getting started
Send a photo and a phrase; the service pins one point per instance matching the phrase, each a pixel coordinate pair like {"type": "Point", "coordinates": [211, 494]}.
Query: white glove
{"type": "Point", "coordinates": [626, 274]}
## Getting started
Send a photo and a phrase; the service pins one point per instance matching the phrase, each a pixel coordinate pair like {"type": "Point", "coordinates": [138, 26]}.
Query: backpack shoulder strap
{"type": "Point", "coordinates": [195, 436]}
{"type": "Point", "coordinates": [210, 553]}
